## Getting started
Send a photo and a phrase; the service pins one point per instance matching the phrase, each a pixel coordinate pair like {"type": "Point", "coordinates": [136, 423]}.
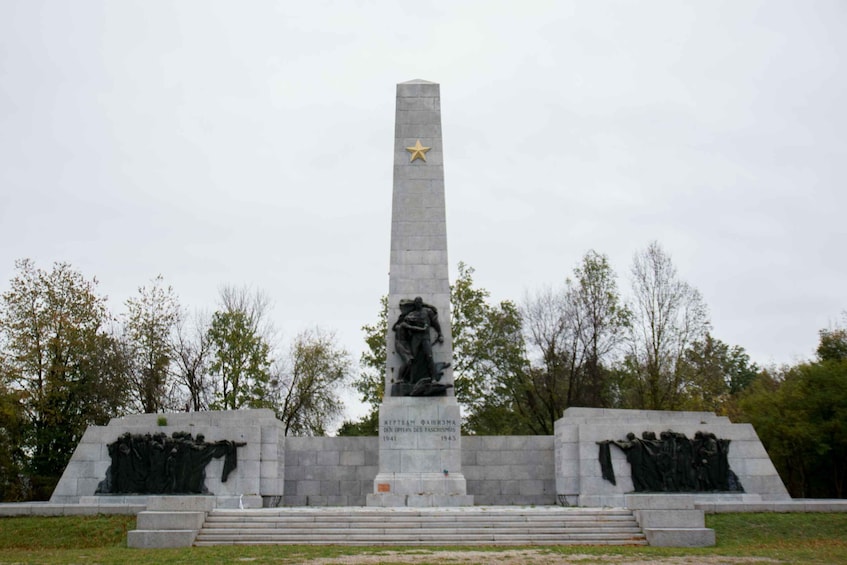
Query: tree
{"type": "Point", "coordinates": [715, 374]}
{"type": "Point", "coordinates": [668, 316]}
{"type": "Point", "coordinates": [800, 414]}
{"type": "Point", "coordinates": [69, 371]}
{"type": "Point", "coordinates": [240, 361]}
{"type": "Point", "coordinates": [12, 454]}
{"type": "Point", "coordinates": [505, 393]}
{"type": "Point", "coordinates": [488, 350]}
{"type": "Point", "coordinates": [150, 321]}
{"type": "Point", "coordinates": [191, 350]}
{"type": "Point", "coordinates": [487, 341]}
{"type": "Point", "coordinates": [555, 353]}
{"type": "Point", "coordinates": [600, 320]}
{"type": "Point", "coordinates": [370, 383]}
{"type": "Point", "coordinates": [574, 335]}
{"type": "Point", "coordinates": [310, 399]}
{"type": "Point", "coordinates": [833, 345]}
{"type": "Point", "coordinates": [241, 357]}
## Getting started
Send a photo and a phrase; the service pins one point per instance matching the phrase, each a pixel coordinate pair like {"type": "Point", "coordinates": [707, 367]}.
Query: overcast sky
{"type": "Point", "coordinates": [251, 143]}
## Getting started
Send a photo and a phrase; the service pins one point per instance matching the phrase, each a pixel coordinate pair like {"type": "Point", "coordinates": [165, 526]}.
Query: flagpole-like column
{"type": "Point", "coordinates": [419, 419]}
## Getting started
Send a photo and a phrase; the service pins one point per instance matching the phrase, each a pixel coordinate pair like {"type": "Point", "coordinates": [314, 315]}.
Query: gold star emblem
{"type": "Point", "coordinates": [418, 151]}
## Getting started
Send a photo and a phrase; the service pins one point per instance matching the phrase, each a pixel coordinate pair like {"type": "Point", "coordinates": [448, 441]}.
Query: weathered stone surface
{"type": "Point", "coordinates": [261, 462]}
{"type": "Point", "coordinates": [577, 434]}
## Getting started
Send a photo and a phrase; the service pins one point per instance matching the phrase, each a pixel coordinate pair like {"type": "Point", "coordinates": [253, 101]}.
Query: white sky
{"type": "Point", "coordinates": [251, 143]}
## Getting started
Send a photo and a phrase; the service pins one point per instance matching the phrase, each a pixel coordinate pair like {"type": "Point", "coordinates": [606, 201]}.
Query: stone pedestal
{"type": "Point", "coordinates": [420, 456]}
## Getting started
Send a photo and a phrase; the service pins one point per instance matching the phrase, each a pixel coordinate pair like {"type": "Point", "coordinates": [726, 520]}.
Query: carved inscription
{"type": "Point", "coordinates": [393, 430]}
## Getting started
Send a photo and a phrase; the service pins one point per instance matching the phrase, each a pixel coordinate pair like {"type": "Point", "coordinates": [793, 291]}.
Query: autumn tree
{"type": "Point", "coordinates": [309, 397]}
{"type": "Point", "coordinates": [487, 343]}
{"type": "Point", "coordinates": [370, 382]}
{"type": "Point", "coordinates": [149, 323]}
{"type": "Point", "coordinates": [69, 370]}
{"type": "Point", "coordinates": [600, 320]}
{"type": "Point", "coordinates": [241, 357]}
{"type": "Point", "coordinates": [574, 336]}
{"type": "Point", "coordinates": [191, 347]}
{"type": "Point", "coordinates": [800, 414]}
{"type": "Point", "coordinates": [487, 349]}
{"type": "Point", "coordinates": [489, 358]}
{"type": "Point", "coordinates": [240, 361]}
{"type": "Point", "coordinates": [715, 373]}
{"type": "Point", "coordinates": [12, 455]}
{"type": "Point", "coordinates": [669, 315]}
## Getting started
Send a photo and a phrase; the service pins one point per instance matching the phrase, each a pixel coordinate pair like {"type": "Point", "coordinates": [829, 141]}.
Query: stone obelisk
{"type": "Point", "coordinates": [419, 420]}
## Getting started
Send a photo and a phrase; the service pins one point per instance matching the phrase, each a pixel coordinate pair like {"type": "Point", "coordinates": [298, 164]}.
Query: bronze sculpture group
{"type": "Point", "coordinates": [673, 462]}
{"type": "Point", "coordinates": [419, 374]}
{"type": "Point", "coordinates": [158, 464]}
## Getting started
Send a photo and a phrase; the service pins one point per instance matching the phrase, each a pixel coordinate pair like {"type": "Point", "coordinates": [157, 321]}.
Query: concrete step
{"type": "Point", "coordinates": [430, 526]}
{"type": "Point", "coordinates": [389, 528]}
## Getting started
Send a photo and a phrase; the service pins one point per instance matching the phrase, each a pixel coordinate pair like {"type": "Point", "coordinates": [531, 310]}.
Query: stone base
{"type": "Point", "coordinates": [261, 462]}
{"type": "Point", "coordinates": [388, 500]}
{"type": "Point", "coordinates": [579, 472]}
{"type": "Point", "coordinates": [159, 539]}
{"type": "Point", "coordinates": [420, 457]}
{"type": "Point", "coordinates": [680, 537]}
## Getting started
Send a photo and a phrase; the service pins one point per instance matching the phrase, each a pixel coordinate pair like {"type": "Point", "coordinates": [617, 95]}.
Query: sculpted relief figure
{"type": "Point", "coordinates": [157, 464]}
{"type": "Point", "coordinates": [413, 341]}
{"type": "Point", "coordinates": [674, 463]}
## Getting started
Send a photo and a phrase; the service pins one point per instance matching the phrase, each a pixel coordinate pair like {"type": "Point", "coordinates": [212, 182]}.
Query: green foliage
{"type": "Point", "coordinates": [715, 374]}
{"type": "Point", "coordinates": [370, 383]}
{"type": "Point", "coordinates": [367, 426]}
{"type": "Point", "coordinates": [600, 320]}
{"type": "Point", "coordinates": [833, 345]}
{"type": "Point", "coordinates": [240, 361]}
{"type": "Point", "coordinates": [149, 322]}
{"type": "Point", "coordinates": [801, 418]}
{"type": "Point", "coordinates": [318, 371]}
{"type": "Point", "coordinates": [68, 370]}
{"type": "Point", "coordinates": [12, 456]}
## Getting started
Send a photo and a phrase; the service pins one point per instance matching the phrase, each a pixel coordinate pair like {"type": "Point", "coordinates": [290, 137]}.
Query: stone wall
{"type": "Point", "coordinates": [579, 478]}
{"type": "Point", "coordinates": [506, 470]}
{"type": "Point", "coordinates": [323, 471]}
{"type": "Point", "coordinates": [329, 471]}
{"type": "Point", "coordinates": [500, 470]}
{"type": "Point", "coordinates": [261, 463]}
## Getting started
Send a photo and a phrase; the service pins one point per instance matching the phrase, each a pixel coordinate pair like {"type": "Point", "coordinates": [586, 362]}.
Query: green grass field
{"type": "Point", "coordinates": [741, 538]}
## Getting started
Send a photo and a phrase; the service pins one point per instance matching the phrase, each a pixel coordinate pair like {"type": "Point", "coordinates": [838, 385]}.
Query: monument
{"type": "Point", "coordinates": [419, 420]}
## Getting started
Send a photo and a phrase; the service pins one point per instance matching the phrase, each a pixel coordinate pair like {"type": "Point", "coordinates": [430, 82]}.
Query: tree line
{"type": "Point", "coordinates": [518, 366]}
{"type": "Point", "coordinates": [67, 362]}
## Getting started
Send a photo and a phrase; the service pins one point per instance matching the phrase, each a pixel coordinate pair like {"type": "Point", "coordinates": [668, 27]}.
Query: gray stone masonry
{"type": "Point", "coordinates": [578, 476]}
{"type": "Point", "coordinates": [170, 521]}
{"type": "Point", "coordinates": [261, 463]}
{"type": "Point", "coordinates": [329, 471]}
{"type": "Point", "coordinates": [418, 259]}
{"type": "Point", "coordinates": [420, 461]}
{"type": "Point", "coordinates": [670, 520]}
{"type": "Point", "coordinates": [510, 470]}
{"type": "Point", "coordinates": [501, 471]}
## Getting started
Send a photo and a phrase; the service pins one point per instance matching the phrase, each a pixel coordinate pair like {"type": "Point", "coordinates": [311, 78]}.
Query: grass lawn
{"type": "Point", "coordinates": [741, 538]}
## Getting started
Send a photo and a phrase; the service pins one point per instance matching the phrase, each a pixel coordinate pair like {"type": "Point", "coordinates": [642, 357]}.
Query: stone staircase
{"type": "Point", "coordinates": [478, 525]}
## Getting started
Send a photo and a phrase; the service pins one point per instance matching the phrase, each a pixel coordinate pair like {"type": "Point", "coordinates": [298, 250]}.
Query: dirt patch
{"type": "Point", "coordinates": [524, 556]}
